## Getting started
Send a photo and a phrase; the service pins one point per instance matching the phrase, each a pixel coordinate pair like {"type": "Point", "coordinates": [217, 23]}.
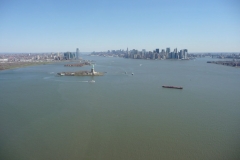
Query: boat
{"type": "Point", "coordinates": [92, 81]}
{"type": "Point", "coordinates": [132, 73]}
{"type": "Point", "coordinates": [174, 87]}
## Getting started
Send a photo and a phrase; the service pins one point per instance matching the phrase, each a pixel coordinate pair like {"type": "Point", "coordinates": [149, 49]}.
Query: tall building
{"type": "Point", "coordinates": [77, 53]}
{"type": "Point", "coordinates": [175, 50]}
{"type": "Point", "coordinates": [157, 50]}
{"type": "Point", "coordinates": [173, 55]}
{"type": "Point", "coordinates": [69, 55]}
{"type": "Point", "coordinates": [154, 55]}
{"type": "Point", "coordinates": [167, 50]}
{"type": "Point", "coordinates": [181, 54]}
{"type": "Point", "coordinates": [168, 55]}
{"type": "Point", "coordinates": [185, 53]}
{"type": "Point", "coordinates": [163, 52]}
{"type": "Point", "coordinates": [143, 53]}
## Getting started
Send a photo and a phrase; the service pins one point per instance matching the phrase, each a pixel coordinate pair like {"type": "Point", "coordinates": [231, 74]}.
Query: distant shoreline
{"type": "Point", "coordinates": [15, 65]}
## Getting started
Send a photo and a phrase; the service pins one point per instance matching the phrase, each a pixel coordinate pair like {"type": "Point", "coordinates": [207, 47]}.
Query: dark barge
{"type": "Point", "coordinates": [174, 87]}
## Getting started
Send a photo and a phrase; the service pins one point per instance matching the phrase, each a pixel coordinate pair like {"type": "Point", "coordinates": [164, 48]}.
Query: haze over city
{"type": "Point", "coordinates": [58, 26]}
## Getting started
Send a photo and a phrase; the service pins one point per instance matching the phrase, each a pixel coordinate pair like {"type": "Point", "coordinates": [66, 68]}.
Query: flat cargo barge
{"type": "Point", "coordinates": [174, 87]}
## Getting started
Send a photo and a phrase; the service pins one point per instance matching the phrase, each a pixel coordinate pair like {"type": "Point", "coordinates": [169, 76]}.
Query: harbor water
{"type": "Point", "coordinates": [125, 114]}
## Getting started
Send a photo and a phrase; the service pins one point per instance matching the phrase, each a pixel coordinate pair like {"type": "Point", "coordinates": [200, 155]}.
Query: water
{"type": "Point", "coordinates": [121, 116]}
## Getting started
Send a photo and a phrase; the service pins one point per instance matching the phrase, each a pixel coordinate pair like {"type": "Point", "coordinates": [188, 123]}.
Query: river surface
{"type": "Point", "coordinates": [121, 116]}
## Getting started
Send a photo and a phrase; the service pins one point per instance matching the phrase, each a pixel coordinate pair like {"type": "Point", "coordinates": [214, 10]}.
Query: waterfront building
{"type": "Point", "coordinates": [167, 50]}
{"type": "Point", "coordinates": [135, 56]}
{"type": "Point", "coordinates": [183, 54]}
{"type": "Point", "coordinates": [143, 53]}
{"type": "Point", "coordinates": [175, 50]}
{"type": "Point", "coordinates": [77, 53]}
{"type": "Point", "coordinates": [185, 51]}
{"type": "Point", "coordinates": [157, 50]}
{"type": "Point", "coordinates": [66, 55]}
{"type": "Point", "coordinates": [153, 56]}
{"type": "Point", "coordinates": [69, 55]}
{"type": "Point", "coordinates": [168, 53]}
{"type": "Point", "coordinates": [163, 52]}
{"type": "Point", "coordinates": [173, 56]}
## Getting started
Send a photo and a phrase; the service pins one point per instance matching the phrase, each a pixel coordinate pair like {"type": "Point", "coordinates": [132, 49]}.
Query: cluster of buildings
{"type": "Point", "coordinates": [113, 53]}
{"type": "Point", "coordinates": [226, 56]}
{"type": "Point", "coordinates": [134, 54]}
{"type": "Point", "coordinates": [39, 57]}
{"type": "Point", "coordinates": [71, 55]}
{"type": "Point", "coordinates": [164, 54]}
{"type": "Point", "coordinates": [29, 57]}
{"type": "Point", "coordinates": [157, 54]}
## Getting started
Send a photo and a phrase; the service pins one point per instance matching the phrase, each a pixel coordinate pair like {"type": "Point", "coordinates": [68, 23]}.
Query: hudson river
{"type": "Point", "coordinates": [121, 116]}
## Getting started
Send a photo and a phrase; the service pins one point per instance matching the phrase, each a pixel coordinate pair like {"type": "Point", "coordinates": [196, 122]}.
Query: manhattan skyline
{"type": "Point", "coordinates": [57, 26]}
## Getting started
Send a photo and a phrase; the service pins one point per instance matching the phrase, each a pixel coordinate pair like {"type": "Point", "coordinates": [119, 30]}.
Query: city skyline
{"type": "Point", "coordinates": [57, 26]}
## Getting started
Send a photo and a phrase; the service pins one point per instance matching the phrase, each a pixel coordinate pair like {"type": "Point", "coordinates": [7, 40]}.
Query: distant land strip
{"type": "Point", "coordinates": [226, 63]}
{"type": "Point", "coordinates": [13, 65]}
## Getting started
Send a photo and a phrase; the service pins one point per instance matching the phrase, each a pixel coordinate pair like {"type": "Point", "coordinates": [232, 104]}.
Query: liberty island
{"type": "Point", "coordinates": [82, 73]}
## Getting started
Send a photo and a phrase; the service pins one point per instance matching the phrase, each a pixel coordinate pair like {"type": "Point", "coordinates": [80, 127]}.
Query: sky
{"type": "Point", "coordinates": [28, 26]}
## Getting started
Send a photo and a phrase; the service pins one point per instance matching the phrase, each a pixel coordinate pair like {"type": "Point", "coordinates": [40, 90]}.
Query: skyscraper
{"type": "Point", "coordinates": [175, 50]}
{"type": "Point", "coordinates": [143, 53]}
{"type": "Point", "coordinates": [163, 52]}
{"type": "Point", "coordinates": [167, 50]}
{"type": "Point", "coordinates": [77, 53]}
{"type": "Point", "coordinates": [185, 53]}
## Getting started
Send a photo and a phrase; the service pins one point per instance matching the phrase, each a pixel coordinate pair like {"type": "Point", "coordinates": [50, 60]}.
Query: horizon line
{"type": "Point", "coordinates": [99, 51]}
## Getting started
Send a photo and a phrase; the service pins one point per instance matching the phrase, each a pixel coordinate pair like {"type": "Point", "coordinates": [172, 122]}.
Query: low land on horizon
{"type": "Point", "coordinates": [5, 66]}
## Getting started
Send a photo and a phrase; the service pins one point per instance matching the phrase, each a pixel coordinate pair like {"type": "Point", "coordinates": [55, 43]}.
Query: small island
{"type": "Point", "coordinates": [82, 73]}
{"type": "Point", "coordinates": [78, 64]}
{"type": "Point", "coordinates": [233, 63]}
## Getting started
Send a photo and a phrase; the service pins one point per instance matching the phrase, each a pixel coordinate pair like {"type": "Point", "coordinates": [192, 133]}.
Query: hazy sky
{"type": "Point", "coordinates": [101, 25]}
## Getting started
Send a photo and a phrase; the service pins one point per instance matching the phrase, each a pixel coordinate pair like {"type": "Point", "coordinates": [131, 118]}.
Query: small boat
{"type": "Point", "coordinates": [132, 73]}
{"type": "Point", "coordinates": [174, 87]}
{"type": "Point", "coordinates": [92, 81]}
